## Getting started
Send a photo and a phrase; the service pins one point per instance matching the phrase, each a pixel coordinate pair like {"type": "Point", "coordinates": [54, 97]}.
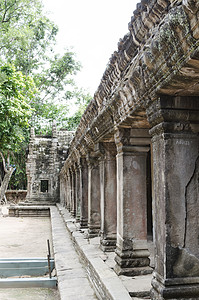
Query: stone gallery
{"type": "Point", "coordinates": [132, 167]}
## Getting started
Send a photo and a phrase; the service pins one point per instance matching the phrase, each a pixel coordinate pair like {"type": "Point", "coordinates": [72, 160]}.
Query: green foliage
{"type": "Point", "coordinates": [25, 34]}
{"type": "Point", "coordinates": [16, 90]}
{"type": "Point", "coordinates": [18, 180]}
{"type": "Point", "coordinates": [36, 85]}
{"type": "Point", "coordinates": [81, 102]}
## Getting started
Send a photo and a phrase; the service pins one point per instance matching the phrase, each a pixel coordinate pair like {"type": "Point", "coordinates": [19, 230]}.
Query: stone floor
{"type": "Point", "coordinates": [29, 294]}
{"type": "Point", "coordinates": [73, 283]}
{"type": "Point", "coordinates": [117, 287]}
{"type": "Point", "coordinates": [25, 237]}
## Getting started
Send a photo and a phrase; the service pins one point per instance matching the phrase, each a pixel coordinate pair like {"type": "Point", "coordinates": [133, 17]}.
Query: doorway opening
{"type": "Point", "coordinates": [44, 186]}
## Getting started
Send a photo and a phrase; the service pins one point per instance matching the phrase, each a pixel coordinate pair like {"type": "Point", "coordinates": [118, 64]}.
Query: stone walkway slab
{"type": "Point", "coordinates": [73, 283]}
{"type": "Point", "coordinates": [107, 284]}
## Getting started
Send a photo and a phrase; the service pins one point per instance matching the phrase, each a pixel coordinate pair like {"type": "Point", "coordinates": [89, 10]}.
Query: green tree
{"type": "Point", "coordinates": [16, 90]}
{"type": "Point", "coordinates": [27, 39]}
{"type": "Point", "coordinates": [82, 99]}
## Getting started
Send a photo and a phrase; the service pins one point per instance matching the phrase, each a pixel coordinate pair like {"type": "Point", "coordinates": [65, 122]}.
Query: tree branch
{"type": "Point", "coordinates": [4, 162]}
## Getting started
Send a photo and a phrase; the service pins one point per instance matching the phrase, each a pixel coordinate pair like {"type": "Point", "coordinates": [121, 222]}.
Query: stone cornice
{"type": "Point", "coordinates": [159, 55]}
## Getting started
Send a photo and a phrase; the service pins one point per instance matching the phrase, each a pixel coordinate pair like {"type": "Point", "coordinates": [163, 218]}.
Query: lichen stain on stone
{"type": "Point", "coordinates": [186, 265]}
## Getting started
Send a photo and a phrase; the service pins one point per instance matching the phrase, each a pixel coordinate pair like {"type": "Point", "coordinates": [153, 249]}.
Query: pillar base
{"type": "Point", "coordinates": [132, 262]}
{"type": "Point", "coordinates": [73, 213]}
{"type": "Point", "coordinates": [93, 231]}
{"type": "Point", "coordinates": [108, 244]}
{"type": "Point", "coordinates": [175, 289]}
{"type": "Point", "coordinates": [132, 271]}
{"type": "Point", "coordinates": [77, 218]}
{"type": "Point", "coordinates": [83, 223]}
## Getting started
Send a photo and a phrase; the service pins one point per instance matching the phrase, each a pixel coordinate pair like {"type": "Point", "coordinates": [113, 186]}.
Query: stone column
{"type": "Point", "coordinates": [77, 191]}
{"type": "Point", "coordinates": [132, 255]}
{"type": "Point", "coordinates": [176, 197]}
{"type": "Point", "coordinates": [83, 168]}
{"type": "Point", "coordinates": [68, 196]}
{"type": "Point", "coordinates": [108, 183]}
{"type": "Point", "coordinates": [62, 189]}
{"type": "Point", "coordinates": [93, 196]}
{"type": "Point", "coordinates": [73, 192]}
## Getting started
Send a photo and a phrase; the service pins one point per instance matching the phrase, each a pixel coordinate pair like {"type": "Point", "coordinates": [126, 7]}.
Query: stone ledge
{"type": "Point", "coordinates": [105, 281]}
{"type": "Point", "coordinates": [29, 211]}
{"type": "Point", "coordinates": [73, 283]}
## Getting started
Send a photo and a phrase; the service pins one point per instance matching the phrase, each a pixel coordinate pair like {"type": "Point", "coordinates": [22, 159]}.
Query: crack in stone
{"type": "Point", "coordinates": [186, 188]}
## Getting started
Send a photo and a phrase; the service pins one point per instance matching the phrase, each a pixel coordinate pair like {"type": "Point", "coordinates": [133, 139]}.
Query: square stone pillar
{"type": "Point", "coordinates": [132, 255]}
{"type": "Point", "coordinates": [83, 193]}
{"type": "Point", "coordinates": [175, 146]}
{"type": "Point", "coordinates": [73, 192]}
{"type": "Point", "coordinates": [68, 196]}
{"type": "Point", "coordinates": [108, 184]}
{"type": "Point", "coordinates": [62, 189]}
{"type": "Point", "coordinates": [65, 189]}
{"type": "Point", "coordinates": [93, 196]}
{"type": "Point", "coordinates": [77, 192]}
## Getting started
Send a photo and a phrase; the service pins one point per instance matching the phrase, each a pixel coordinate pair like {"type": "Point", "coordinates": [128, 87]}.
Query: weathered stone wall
{"type": "Point", "coordinates": [16, 196]}
{"type": "Point", "coordinates": [45, 159]}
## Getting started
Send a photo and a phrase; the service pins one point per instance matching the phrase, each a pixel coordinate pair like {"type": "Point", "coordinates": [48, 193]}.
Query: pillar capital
{"type": "Point", "coordinates": [169, 114]}
{"type": "Point", "coordinates": [132, 140]}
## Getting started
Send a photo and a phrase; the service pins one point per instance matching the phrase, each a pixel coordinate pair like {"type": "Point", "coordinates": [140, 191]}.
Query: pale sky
{"type": "Point", "coordinates": [93, 28]}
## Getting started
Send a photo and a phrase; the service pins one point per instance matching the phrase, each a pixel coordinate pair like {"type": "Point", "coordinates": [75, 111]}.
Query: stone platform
{"type": "Point", "coordinates": [28, 211]}
{"type": "Point", "coordinates": [99, 266]}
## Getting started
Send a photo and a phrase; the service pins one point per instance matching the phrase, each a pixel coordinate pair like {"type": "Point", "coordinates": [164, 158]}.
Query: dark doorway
{"type": "Point", "coordinates": [44, 186]}
{"type": "Point", "coordinates": [149, 198]}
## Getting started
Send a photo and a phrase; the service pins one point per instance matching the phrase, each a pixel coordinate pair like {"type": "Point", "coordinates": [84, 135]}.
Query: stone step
{"type": "Point", "coordinates": [28, 211]}
{"type": "Point", "coordinates": [28, 282]}
{"type": "Point", "coordinates": [25, 267]}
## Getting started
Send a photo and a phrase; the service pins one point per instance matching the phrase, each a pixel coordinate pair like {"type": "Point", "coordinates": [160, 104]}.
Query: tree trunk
{"type": "Point", "coordinates": [5, 182]}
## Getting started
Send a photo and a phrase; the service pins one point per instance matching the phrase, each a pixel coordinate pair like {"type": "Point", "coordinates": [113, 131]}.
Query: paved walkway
{"type": "Point", "coordinates": [99, 266]}
{"type": "Point", "coordinates": [73, 283]}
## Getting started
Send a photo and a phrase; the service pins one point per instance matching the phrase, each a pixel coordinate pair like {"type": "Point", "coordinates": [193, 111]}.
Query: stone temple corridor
{"type": "Point", "coordinates": [129, 174]}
